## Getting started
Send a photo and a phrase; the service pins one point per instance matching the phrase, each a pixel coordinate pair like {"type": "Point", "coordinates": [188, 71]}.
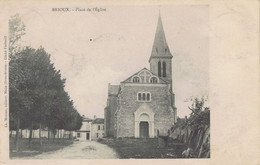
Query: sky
{"type": "Point", "coordinates": [92, 49]}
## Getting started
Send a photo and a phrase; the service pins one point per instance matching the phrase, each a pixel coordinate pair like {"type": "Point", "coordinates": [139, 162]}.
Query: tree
{"type": "Point", "coordinates": [36, 89]}
{"type": "Point", "coordinates": [200, 115]}
{"type": "Point", "coordinates": [16, 31]}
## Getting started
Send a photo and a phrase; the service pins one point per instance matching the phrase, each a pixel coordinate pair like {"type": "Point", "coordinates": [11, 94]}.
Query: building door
{"type": "Point", "coordinates": [87, 137]}
{"type": "Point", "coordinates": [144, 129]}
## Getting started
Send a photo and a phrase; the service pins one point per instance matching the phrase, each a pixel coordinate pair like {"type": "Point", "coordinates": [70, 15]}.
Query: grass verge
{"type": "Point", "coordinates": [143, 148]}
{"type": "Point", "coordinates": [35, 149]}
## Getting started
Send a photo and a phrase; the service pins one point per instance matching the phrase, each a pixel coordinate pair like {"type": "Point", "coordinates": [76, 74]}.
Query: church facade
{"type": "Point", "coordinates": [143, 105]}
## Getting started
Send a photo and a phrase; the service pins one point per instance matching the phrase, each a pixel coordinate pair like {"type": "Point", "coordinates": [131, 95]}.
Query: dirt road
{"type": "Point", "coordinates": [80, 150]}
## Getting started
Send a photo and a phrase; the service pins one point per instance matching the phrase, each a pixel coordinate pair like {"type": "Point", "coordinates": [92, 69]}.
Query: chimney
{"type": "Point", "coordinates": [95, 116]}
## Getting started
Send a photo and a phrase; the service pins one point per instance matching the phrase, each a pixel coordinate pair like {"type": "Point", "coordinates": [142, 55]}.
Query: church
{"type": "Point", "coordinates": [143, 105]}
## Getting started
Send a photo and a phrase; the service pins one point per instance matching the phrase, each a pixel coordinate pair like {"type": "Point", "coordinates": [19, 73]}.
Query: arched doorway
{"type": "Point", "coordinates": [144, 129]}
{"type": "Point", "coordinates": [144, 122]}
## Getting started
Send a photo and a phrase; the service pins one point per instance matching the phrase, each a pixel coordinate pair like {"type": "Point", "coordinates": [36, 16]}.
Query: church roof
{"type": "Point", "coordinates": [160, 46]}
{"type": "Point", "coordinates": [113, 89]}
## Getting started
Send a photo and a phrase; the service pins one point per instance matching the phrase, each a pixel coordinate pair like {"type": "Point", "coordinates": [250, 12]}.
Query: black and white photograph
{"type": "Point", "coordinates": [115, 81]}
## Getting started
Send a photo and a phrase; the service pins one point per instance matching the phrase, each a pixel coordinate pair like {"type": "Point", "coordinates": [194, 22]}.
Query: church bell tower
{"type": "Point", "coordinates": [161, 57]}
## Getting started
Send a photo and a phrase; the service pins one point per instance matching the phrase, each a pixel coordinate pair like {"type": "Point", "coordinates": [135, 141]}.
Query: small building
{"type": "Point", "coordinates": [97, 128]}
{"type": "Point", "coordinates": [91, 129]}
{"type": "Point", "coordinates": [84, 133]}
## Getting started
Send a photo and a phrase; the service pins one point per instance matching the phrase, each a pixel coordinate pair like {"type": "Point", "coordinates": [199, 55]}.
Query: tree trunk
{"type": "Point", "coordinates": [40, 134]}
{"type": "Point", "coordinates": [48, 135]}
{"type": "Point", "coordinates": [11, 133]}
{"type": "Point", "coordinates": [30, 136]}
{"type": "Point", "coordinates": [21, 133]}
{"type": "Point", "coordinates": [54, 134]}
{"type": "Point", "coordinates": [17, 132]}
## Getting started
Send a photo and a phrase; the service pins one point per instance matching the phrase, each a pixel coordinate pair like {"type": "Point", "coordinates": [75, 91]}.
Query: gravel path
{"type": "Point", "coordinates": [80, 150]}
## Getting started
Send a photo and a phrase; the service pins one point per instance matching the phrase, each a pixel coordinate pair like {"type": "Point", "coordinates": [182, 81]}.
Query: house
{"type": "Point", "coordinates": [91, 129]}
{"type": "Point", "coordinates": [97, 128]}
{"type": "Point", "coordinates": [84, 133]}
{"type": "Point", "coordinates": [143, 105]}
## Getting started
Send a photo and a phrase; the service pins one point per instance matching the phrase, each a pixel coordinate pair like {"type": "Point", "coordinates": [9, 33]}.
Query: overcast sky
{"type": "Point", "coordinates": [92, 49]}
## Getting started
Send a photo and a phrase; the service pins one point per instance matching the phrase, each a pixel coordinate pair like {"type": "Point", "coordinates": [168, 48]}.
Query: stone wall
{"type": "Point", "coordinates": [110, 116]}
{"type": "Point", "coordinates": [159, 104]}
{"type": "Point", "coordinates": [197, 140]}
{"type": "Point", "coordinates": [97, 133]}
{"type": "Point", "coordinates": [107, 121]}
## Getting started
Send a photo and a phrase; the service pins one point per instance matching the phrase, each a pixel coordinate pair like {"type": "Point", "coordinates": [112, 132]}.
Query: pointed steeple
{"type": "Point", "coordinates": [160, 46]}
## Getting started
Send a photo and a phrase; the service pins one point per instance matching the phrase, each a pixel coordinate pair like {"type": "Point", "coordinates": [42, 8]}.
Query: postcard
{"type": "Point", "coordinates": [109, 82]}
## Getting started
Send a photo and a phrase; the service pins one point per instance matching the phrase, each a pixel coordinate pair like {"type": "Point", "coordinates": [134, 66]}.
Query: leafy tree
{"type": "Point", "coordinates": [200, 115]}
{"type": "Point", "coordinates": [19, 93]}
{"type": "Point", "coordinates": [16, 31]}
{"type": "Point", "coordinates": [36, 89]}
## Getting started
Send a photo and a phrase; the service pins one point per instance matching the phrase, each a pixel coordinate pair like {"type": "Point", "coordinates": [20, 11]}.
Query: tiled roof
{"type": "Point", "coordinates": [98, 121]}
{"type": "Point", "coordinates": [113, 89]}
{"type": "Point", "coordinates": [87, 119]}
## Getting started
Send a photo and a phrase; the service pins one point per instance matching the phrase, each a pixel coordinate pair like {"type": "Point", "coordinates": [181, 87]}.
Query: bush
{"type": "Point", "coordinates": [200, 120]}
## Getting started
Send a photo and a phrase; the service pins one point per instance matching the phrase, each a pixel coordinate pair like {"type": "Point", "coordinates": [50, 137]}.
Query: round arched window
{"type": "Point", "coordinates": [153, 80]}
{"type": "Point", "coordinates": [139, 96]}
{"type": "Point", "coordinates": [136, 79]}
{"type": "Point", "coordinates": [144, 96]}
{"type": "Point", "coordinates": [148, 96]}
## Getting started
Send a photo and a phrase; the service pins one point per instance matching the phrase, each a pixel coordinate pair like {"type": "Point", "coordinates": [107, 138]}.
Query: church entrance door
{"type": "Point", "coordinates": [144, 129]}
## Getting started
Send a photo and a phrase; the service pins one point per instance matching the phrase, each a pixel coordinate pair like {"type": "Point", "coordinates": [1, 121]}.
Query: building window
{"type": "Point", "coordinates": [103, 127]}
{"type": "Point", "coordinates": [144, 96]}
{"type": "Point", "coordinates": [136, 79]}
{"type": "Point", "coordinates": [98, 127]}
{"type": "Point", "coordinates": [97, 135]}
{"type": "Point", "coordinates": [139, 96]}
{"type": "Point", "coordinates": [164, 69]}
{"type": "Point", "coordinates": [153, 80]}
{"type": "Point", "coordinates": [148, 96]}
{"type": "Point", "coordinates": [159, 68]}
{"type": "Point", "coordinates": [78, 135]}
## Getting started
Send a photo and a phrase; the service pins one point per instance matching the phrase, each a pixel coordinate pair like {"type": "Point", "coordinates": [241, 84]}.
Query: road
{"type": "Point", "coordinates": [80, 150]}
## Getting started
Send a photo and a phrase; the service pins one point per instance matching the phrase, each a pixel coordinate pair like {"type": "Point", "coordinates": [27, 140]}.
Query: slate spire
{"type": "Point", "coordinates": [160, 47]}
